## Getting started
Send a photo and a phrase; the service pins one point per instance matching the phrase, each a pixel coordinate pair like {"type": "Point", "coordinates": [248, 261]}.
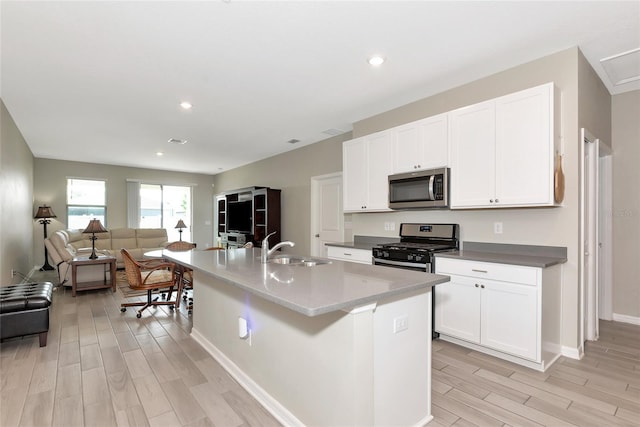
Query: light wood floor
{"type": "Point", "coordinates": [104, 368]}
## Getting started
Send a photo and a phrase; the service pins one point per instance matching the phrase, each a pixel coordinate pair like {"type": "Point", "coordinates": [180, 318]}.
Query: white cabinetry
{"type": "Point", "coordinates": [367, 163]}
{"type": "Point", "coordinates": [497, 308]}
{"type": "Point", "coordinates": [502, 151]}
{"type": "Point", "coordinates": [361, 256]}
{"type": "Point", "coordinates": [420, 145]}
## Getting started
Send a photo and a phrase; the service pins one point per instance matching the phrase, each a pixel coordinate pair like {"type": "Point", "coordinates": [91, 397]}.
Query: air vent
{"type": "Point", "coordinates": [333, 132]}
{"type": "Point", "coordinates": [178, 141]}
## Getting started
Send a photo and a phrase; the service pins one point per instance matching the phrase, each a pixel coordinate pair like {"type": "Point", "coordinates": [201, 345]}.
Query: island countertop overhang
{"type": "Point", "coordinates": [311, 291]}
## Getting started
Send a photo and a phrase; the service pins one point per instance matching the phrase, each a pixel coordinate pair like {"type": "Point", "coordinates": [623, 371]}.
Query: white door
{"type": "Point", "coordinates": [327, 219]}
{"type": "Point", "coordinates": [589, 237]}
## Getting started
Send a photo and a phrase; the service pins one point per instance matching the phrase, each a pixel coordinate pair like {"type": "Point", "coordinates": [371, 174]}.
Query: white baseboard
{"type": "Point", "coordinates": [573, 352]}
{"type": "Point", "coordinates": [626, 319]}
{"type": "Point", "coordinates": [265, 399]}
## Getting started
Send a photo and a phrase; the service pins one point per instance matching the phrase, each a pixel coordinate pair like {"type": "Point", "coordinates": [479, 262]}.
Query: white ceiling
{"type": "Point", "coordinates": [101, 82]}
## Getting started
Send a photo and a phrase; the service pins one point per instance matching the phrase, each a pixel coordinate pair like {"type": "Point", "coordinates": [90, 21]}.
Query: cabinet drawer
{"type": "Point", "coordinates": [489, 270]}
{"type": "Point", "coordinates": [362, 256]}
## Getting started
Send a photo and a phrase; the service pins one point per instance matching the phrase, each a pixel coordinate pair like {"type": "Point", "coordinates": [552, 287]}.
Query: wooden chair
{"type": "Point", "coordinates": [146, 276]}
{"type": "Point", "coordinates": [184, 276]}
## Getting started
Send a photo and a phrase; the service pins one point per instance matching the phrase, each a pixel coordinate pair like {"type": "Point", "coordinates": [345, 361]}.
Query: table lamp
{"type": "Point", "coordinates": [94, 227]}
{"type": "Point", "coordinates": [44, 213]}
{"type": "Point", "coordinates": [180, 225]}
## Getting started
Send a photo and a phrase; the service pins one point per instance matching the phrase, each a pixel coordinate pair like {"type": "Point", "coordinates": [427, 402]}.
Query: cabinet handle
{"type": "Point", "coordinates": [477, 285]}
{"type": "Point", "coordinates": [490, 200]}
{"type": "Point", "coordinates": [479, 271]}
{"type": "Point", "coordinates": [346, 253]}
{"type": "Point", "coordinates": [482, 286]}
{"type": "Point", "coordinates": [497, 200]}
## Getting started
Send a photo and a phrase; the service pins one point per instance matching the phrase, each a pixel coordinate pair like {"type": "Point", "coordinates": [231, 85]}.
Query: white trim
{"type": "Point", "coordinates": [274, 407]}
{"type": "Point", "coordinates": [605, 231]}
{"type": "Point", "coordinates": [573, 352]}
{"type": "Point", "coordinates": [624, 318]}
{"type": "Point", "coordinates": [538, 366]}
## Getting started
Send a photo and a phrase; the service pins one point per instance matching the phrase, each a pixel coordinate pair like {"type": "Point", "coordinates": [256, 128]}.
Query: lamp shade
{"type": "Point", "coordinates": [180, 224]}
{"type": "Point", "coordinates": [95, 226]}
{"type": "Point", "coordinates": [45, 212]}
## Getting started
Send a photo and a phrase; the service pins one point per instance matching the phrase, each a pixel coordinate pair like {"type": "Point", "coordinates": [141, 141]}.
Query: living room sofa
{"type": "Point", "coordinates": [64, 245]}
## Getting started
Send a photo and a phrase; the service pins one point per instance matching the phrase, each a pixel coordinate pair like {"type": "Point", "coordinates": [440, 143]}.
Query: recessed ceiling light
{"type": "Point", "coordinates": [159, 153]}
{"type": "Point", "coordinates": [186, 105]}
{"type": "Point", "coordinates": [376, 60]}
{"type": "Point", "coordinates": [178, 141]}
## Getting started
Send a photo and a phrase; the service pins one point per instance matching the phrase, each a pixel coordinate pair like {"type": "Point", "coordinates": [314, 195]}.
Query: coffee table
{"type": "Point", "coordinates": [109, 263]}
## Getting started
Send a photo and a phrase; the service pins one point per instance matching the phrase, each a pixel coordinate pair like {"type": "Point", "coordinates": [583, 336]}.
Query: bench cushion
{"type": "Point", "coordinates": [25, 296]}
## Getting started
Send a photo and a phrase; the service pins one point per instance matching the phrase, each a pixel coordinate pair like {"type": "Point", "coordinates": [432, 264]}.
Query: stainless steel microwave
{"type": "Point", "coordinates": [427, 189]}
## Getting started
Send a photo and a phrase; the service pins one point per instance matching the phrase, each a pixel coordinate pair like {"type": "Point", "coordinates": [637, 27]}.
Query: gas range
{"type": "Point", "coordinates": [418, 243]}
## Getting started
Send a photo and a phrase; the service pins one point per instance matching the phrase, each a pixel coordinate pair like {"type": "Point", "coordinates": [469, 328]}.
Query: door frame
{"type": "Point", "coordinates": [315, 210]}
{"type": "Point", "coordinates": [595, 235]}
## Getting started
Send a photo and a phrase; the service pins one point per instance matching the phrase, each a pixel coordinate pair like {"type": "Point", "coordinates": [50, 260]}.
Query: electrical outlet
{"type": "Point", "coordinates": [400, 323]}
{"type": "Point", "coordinates": [13, 273]}
{"type": "Point", "coordinates": [392, 226]}
{"type": "Point", "coordinates": [497, 227]}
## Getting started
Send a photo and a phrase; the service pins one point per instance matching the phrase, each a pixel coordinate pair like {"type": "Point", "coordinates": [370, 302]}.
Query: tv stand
{"type": "Point", "coordinates": [265, 216]}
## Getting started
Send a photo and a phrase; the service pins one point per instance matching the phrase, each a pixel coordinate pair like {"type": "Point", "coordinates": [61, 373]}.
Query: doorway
{"type": "Point", "coordinates": [327, 219]}
{"type": "Point", "coordinates": [595, 235]}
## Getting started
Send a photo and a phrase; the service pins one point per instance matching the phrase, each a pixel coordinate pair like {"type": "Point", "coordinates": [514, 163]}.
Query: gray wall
{"type": "Point", "coordinates": [291, 172]}
{"type": "Point", "coordinates": [626, 204]}
{"type": "Point", "coordinates": [538, 226]}
{"type": "Point", "coordinates": [16, 201]}
{"type": "Point", "coordinates": [50, 186]}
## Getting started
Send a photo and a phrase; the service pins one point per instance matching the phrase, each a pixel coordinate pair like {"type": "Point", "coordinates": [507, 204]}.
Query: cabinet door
{"type": "Point", "coordinates": [524, 147]}
{"type": "Point", "coordinates": [457, 308]}
{"type": "Point", "coordinates": [472, 155]}
{"type": "Point", "coordinates": [355, 173]}
{"type": "Point", "coordinates": [421, 144]}
{"type": "Point", "coordinates": [380, 167]}
{"type": "Point", "coordinates": [509, 318]}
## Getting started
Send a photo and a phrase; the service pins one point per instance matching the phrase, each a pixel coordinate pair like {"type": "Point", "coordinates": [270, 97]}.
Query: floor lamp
{"type": "Point", "coordinates": [44, 214]}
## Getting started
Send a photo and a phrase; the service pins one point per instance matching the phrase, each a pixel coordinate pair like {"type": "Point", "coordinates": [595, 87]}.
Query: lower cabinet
{"type": "Point", "coordinates": [362, 256]}
{"type": "Point", "coordinates": [498, 307]}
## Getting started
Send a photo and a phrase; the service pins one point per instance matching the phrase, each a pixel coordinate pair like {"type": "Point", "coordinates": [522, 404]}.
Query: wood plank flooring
{"type": "Point", "coordinates": [104, 368]}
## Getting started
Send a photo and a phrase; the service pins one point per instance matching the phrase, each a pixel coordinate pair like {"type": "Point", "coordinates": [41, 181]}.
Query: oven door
{"type": "Point", "coordinates": [402, 264]}
{"type": "Point", "coordinates": [416, 267]}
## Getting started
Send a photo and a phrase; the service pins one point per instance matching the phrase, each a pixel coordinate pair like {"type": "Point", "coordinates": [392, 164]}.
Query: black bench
{"type": "Point", "coordinates": [24, 310]}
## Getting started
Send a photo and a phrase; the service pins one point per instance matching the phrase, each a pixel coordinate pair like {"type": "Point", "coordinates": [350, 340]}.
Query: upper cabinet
{"type": "Point", "coordinates": [501, 152]}
{"type": "Point", "coordinates": [366, 164]}
{"type": "Point", "coordinates": [420, 145]}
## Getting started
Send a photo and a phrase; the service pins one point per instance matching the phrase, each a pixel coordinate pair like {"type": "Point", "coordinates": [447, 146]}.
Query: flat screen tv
{"type": "Point", "coordinates": [239, 216]}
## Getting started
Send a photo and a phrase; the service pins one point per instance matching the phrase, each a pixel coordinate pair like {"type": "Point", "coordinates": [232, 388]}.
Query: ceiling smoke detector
{"type": "Point", "coordinates": [178, 141]}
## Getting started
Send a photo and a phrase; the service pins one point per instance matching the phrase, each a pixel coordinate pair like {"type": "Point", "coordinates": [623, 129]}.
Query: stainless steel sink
{"type": "Point", "coordinates": [298, 261]}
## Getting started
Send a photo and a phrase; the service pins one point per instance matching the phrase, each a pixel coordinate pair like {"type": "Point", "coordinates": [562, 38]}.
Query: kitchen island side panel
{"type": "Point", "coordinates": [335, 369]}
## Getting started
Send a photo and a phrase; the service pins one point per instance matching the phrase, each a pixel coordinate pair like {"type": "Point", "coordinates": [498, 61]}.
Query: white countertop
{"type": "Point", "coordinates": [311, 291]}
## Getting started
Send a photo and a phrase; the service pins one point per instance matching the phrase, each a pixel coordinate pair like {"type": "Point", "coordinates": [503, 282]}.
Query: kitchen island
{"type": "Point", "coordinates": [331, 344]}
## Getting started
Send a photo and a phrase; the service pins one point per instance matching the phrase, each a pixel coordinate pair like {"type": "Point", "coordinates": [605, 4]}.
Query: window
{"type": "Point", "coordinates": [161, 206]}
{"type": "Point", "coordinates": [86, 200]}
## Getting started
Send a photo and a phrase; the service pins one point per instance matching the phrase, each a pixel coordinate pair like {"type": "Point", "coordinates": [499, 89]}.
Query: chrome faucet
{"type": "Point", "coordinates": [266, 252]}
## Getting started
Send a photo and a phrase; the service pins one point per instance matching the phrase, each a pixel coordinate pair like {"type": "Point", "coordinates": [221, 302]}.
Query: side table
{"type": "Point", "coordinates": [109, 263]}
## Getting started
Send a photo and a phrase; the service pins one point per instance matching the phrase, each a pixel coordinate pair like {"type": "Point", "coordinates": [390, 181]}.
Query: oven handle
{"type": "Point", "coordinates": [386, 262]}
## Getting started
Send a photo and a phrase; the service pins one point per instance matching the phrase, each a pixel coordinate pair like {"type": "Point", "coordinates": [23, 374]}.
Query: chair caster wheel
{"type": "Point", "coordinates": [139, 315]}
{"type": "Point", "coordinates": [184, 298]}
{"type": "Point", "coordinates": [123, 309]}
{"type": "Point", "coordinates": [164, 296]}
